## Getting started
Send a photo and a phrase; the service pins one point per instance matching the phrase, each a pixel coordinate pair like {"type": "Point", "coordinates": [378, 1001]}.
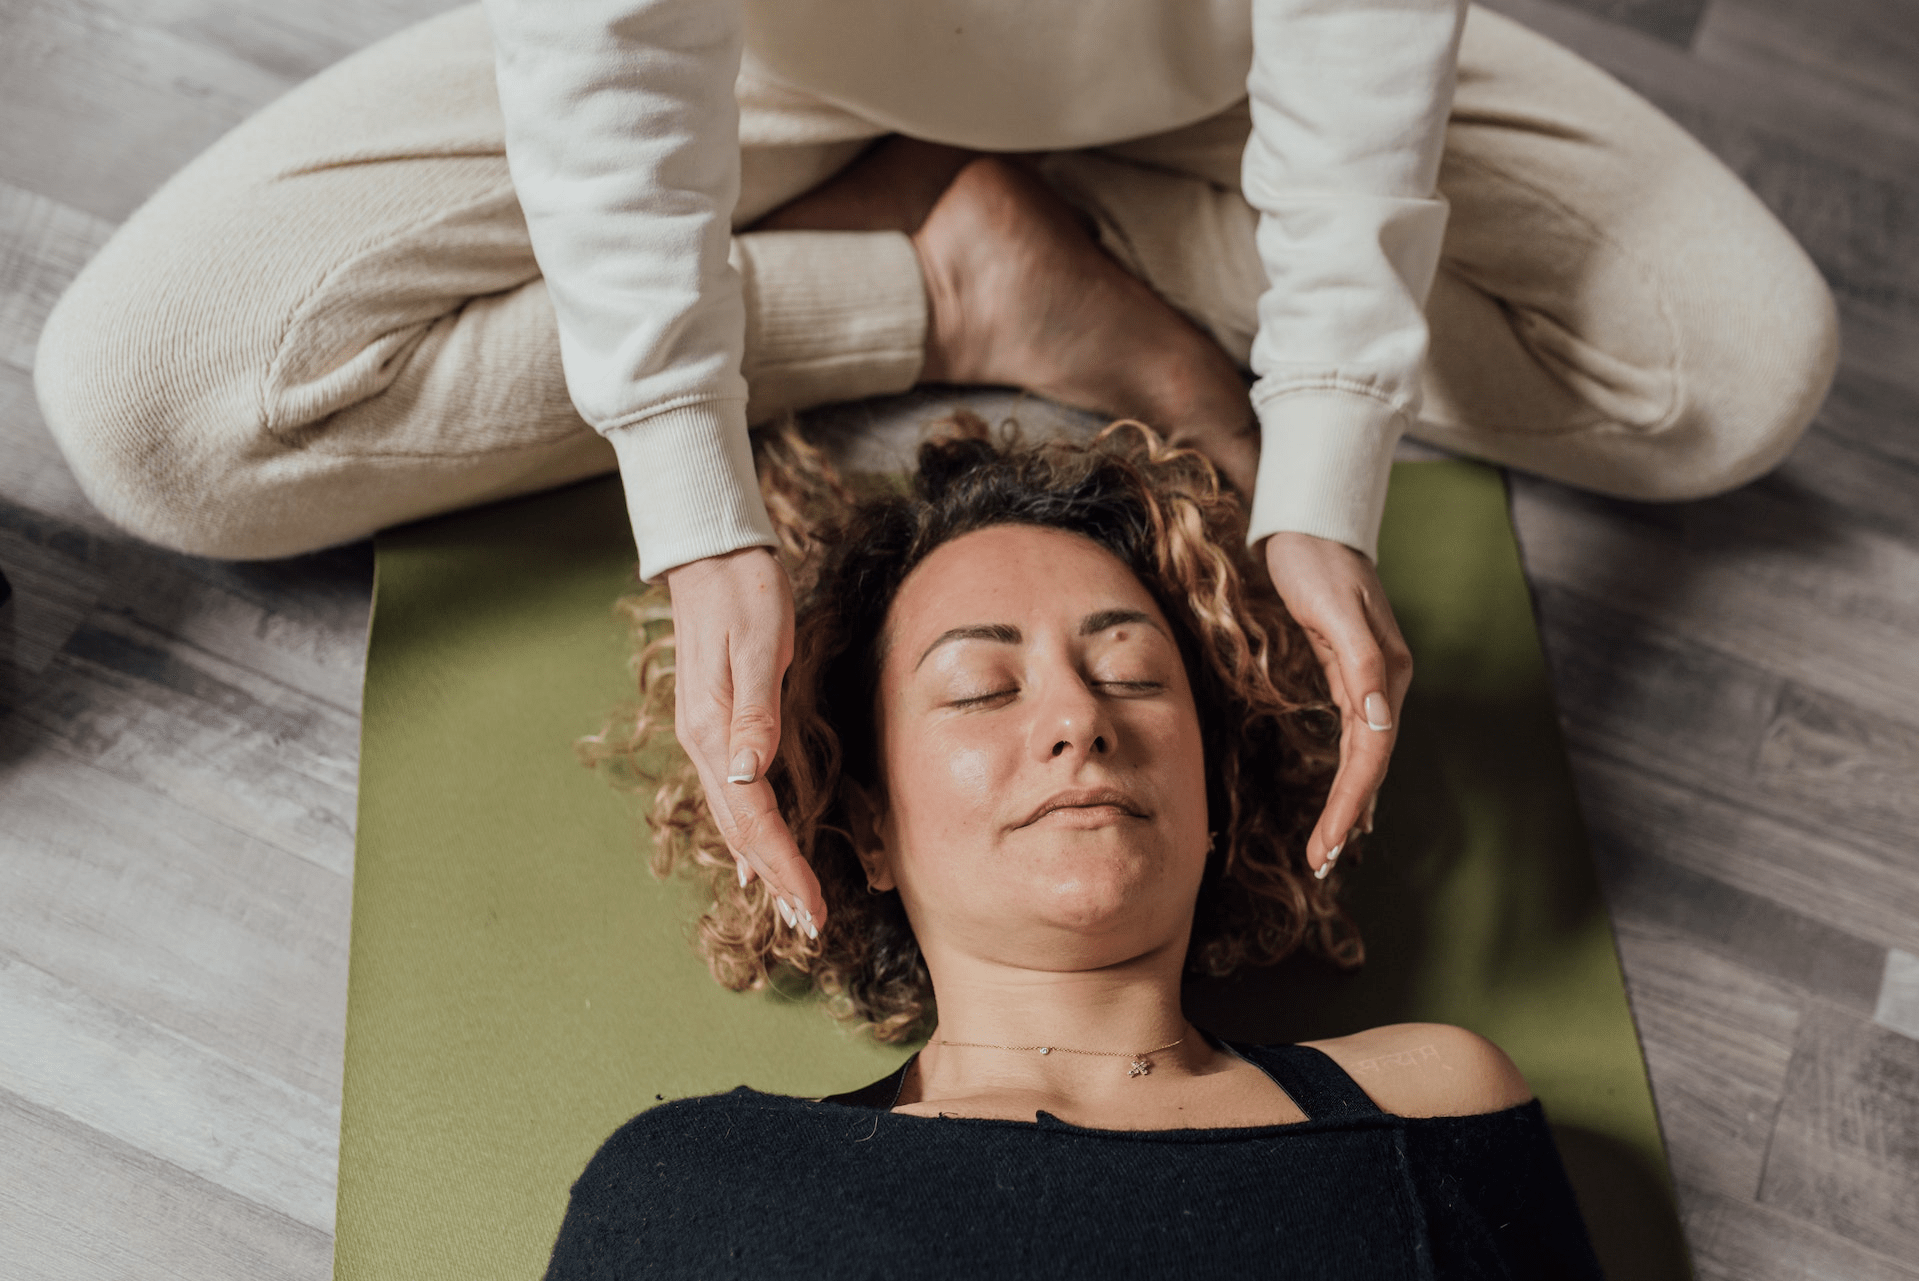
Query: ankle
{"type": "Point", "coordinates": [891, 186]}
{"type": "Point", "coordinates": [942, 311]}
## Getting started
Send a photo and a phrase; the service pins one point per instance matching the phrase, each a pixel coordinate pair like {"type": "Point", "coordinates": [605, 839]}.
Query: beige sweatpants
{"type": "Point", "coordinates": [332, 321]}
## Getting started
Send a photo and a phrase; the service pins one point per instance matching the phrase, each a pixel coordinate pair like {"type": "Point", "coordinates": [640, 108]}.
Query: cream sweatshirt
{"type": "Point", "coordinates": [622, 136]}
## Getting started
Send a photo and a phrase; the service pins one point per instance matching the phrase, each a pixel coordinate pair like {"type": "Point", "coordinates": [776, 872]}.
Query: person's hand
{"type": "Point", "coordinates": [1335, 595]}
{"type": "Point", "coordinates": [733, 636]}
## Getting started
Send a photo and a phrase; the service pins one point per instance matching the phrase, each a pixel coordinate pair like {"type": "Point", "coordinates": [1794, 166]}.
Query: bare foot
{"type": "Point", "coordinates": [890, 187]}
{"type": "Point", "coordinates": [1022, 296]}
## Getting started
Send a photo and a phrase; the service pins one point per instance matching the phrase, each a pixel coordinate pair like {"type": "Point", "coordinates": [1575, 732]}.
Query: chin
{"type": "Point", "coordinates": [1101, 890]}
{"type": "Point", "coordinates": [1090, 931]}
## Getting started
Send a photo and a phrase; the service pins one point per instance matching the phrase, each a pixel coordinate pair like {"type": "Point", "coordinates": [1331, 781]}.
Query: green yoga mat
{"type": "Point", "coordinates": [520, 985]}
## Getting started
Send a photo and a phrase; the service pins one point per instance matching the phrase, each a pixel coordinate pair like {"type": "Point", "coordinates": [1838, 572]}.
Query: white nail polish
{"type": "Point", "coordinates": [812, 930]}
{"type": "Point", "coordinates": [786, 913]}
{"type": "Point", "coordinates": [1379, 715]}
{"type": "Point", "coordinates": [739, 865]}
{"type": "Point", "coordinates": [1332, 856]}
{"type": "Point", "coordinates": [745, 767]}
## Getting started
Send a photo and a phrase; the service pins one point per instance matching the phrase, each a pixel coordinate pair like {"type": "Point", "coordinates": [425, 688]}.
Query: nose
{"type": "Point", "coordinates": [1072, 722]}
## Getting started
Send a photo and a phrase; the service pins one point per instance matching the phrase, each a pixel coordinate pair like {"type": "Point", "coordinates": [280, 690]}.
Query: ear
{"type": "Point", "coordinates": [866, 815]}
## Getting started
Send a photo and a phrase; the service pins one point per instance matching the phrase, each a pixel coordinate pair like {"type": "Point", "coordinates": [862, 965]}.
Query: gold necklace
{"type": "Point", "coordinates": [1142, 1063]}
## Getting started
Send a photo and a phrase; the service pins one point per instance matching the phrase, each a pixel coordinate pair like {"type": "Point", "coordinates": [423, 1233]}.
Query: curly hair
{"type": "Point", "coordinates": [1270, 735]}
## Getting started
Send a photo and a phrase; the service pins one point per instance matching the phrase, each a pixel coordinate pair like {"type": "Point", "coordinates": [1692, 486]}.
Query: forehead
{"type": "Point", "coordinates": [1018, 574]}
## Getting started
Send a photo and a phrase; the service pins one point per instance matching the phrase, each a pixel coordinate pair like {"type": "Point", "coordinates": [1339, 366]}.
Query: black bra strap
{"type": "Point", "coordinates": [1318, 1085]}
{"type": "Point", "coordinates": [882, 1094]}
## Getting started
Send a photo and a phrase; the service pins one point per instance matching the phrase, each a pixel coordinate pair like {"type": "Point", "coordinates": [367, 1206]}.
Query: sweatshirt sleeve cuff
{"type": "Point", "coordinates": [690, 487]}
{"type": "Point", "coordinates": [1325, 459]}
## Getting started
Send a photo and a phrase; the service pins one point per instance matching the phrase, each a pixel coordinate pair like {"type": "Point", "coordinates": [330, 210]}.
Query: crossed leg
{"type": "Point", "coordinates": [333, 321]}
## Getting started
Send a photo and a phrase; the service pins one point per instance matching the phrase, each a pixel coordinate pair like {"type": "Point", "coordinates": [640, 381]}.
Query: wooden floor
{"type": "Point", "coordinates": [1739, 681]}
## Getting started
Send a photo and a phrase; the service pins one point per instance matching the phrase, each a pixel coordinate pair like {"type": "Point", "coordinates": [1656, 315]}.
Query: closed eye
{"type": "Point", "coordinates": [1123, 689]}
{"type": "Point", "coordinates": [980, 700]}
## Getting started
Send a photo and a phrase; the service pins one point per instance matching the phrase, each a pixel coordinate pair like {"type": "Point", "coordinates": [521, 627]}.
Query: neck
{"type": "Point", "coordinates": [1121, 1010]}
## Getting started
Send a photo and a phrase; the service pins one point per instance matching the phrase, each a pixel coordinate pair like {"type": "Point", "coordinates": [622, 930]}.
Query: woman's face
{"type": "Point", "coordinates": [1045, 781]}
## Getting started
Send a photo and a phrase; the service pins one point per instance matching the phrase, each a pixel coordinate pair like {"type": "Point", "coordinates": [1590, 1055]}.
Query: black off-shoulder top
{"type": "Point", "coordinates": [746, 1184]}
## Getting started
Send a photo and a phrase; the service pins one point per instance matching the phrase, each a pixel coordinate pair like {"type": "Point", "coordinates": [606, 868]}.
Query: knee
{"type": "Point", "coordinates": [1752, 390]}
{"type": "Point", "coordinates": [164, 443]}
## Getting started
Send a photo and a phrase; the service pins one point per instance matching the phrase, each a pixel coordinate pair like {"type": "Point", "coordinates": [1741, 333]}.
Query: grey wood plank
{"type": "Point", "coordinates": [106, 99]}
{"type": "Point", "coordinates": [1847, 883]}
{"type": "Point", "coordinates": [1672, 21]}
{"type": "Point", "coordinates": [148, 906]}
{"type": "Point", "coordinates": [1769, 940]}
{"type": "Point", "coordinates": [1897, 1008]}
{"type": "Point", "coordinates": [43, 245]}
{"type": "Point", "coordinates": [1867, 47]}
{"type": "Point", "coordinates": [49, 602]}
{"type": "Point", "coordinates": [79, 1205]}
{"type": "Point", "coordinates": [1875, 418]}
{"type": "Point", "coordinates": [1764, 593]}
{"type": "Point", "coordinates": [33, 475]}
{"type": "Point", "coordinates": [292, 42]}
{"type": "Point", "coordinates": [1728, 727]}
{"type": "Point", "coordinates": [235, 747]}
{"type": "Point", "coordinates": [1738, 1240]}
{"type": "Point", "coordinates": [1718, 1039]}
{"type": "Point", "coordinates": [301, 622]}
{"type": "Point", "coordinates": [1860, 461]}
{"type": "Point", "coordinates": [158, 1091]}
{"type": "Point", "coordinates": [1845, 1148]}
{"type": "Point", "coordinates": [1842, 765]}
{"type": "Point", "coordinates": [1627, 680]}
{"type": "Point", "coordinates": [102, 108]}
{"type": "Point", "coordinates": [1880, 340]}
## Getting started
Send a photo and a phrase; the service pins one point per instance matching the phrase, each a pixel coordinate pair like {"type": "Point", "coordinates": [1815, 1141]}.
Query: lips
{"type": "Point", "coordinates": [1086, 798]}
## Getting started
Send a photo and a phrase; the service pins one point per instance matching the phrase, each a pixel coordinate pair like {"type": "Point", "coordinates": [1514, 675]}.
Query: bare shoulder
{"type": "Point", "coordinates": [1429, 1069]}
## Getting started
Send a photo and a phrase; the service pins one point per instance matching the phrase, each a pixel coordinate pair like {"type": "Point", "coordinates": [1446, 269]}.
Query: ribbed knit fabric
{"type": "Point", "coordinates": [830, 315]}
{"type": "Point", "coordinates": [757, 1185]}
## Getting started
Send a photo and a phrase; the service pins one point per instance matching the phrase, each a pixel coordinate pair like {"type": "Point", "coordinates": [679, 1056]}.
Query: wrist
{"type": "Point", "coordinates": [695, 571]}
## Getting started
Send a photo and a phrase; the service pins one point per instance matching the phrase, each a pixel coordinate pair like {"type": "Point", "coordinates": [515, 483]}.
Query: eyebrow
{"type": "Point", "coordinates": [1007, 634]}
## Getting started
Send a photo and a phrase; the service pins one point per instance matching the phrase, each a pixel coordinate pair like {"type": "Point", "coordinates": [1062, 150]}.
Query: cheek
{"type": "Point", "coordinates": [968, 771]}
{"type": "Point", "coordinates": [943, 790]}
{"type": "Point", "coordinates": [1183, 753]}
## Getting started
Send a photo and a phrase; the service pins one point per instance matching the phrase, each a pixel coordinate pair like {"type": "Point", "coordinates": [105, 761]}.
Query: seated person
{"type": "Point", "coordinates": [1048, 750]}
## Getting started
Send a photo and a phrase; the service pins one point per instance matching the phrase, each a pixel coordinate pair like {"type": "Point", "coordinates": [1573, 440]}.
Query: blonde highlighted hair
{"type": "Point", "coordinates": [1271, 736]}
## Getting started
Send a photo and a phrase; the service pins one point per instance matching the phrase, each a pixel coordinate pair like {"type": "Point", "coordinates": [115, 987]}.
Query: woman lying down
{"type": "Point", "coordinates": [1047, 751]}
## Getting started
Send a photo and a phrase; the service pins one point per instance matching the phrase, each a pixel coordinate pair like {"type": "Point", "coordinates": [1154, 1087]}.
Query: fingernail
{"type": "Point", "coordinates": [739, 865]}
{"type": "Point", "coordinates": [1378, 714]}
{"type": "Point", "coordinates": [745, 767]}
{"type": "Point", "coordinates": [1332, 856]}
{"type": "Point", "coordinates": [786, 914]}
{"type": "Point", "coordinates": [812, 930]}
{"type": "Point", "coordinates": [1371, 806]}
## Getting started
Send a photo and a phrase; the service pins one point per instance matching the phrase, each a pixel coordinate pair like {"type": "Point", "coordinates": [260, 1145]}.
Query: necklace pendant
{"type": "Point", "coordinates": [1142, 1066]}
